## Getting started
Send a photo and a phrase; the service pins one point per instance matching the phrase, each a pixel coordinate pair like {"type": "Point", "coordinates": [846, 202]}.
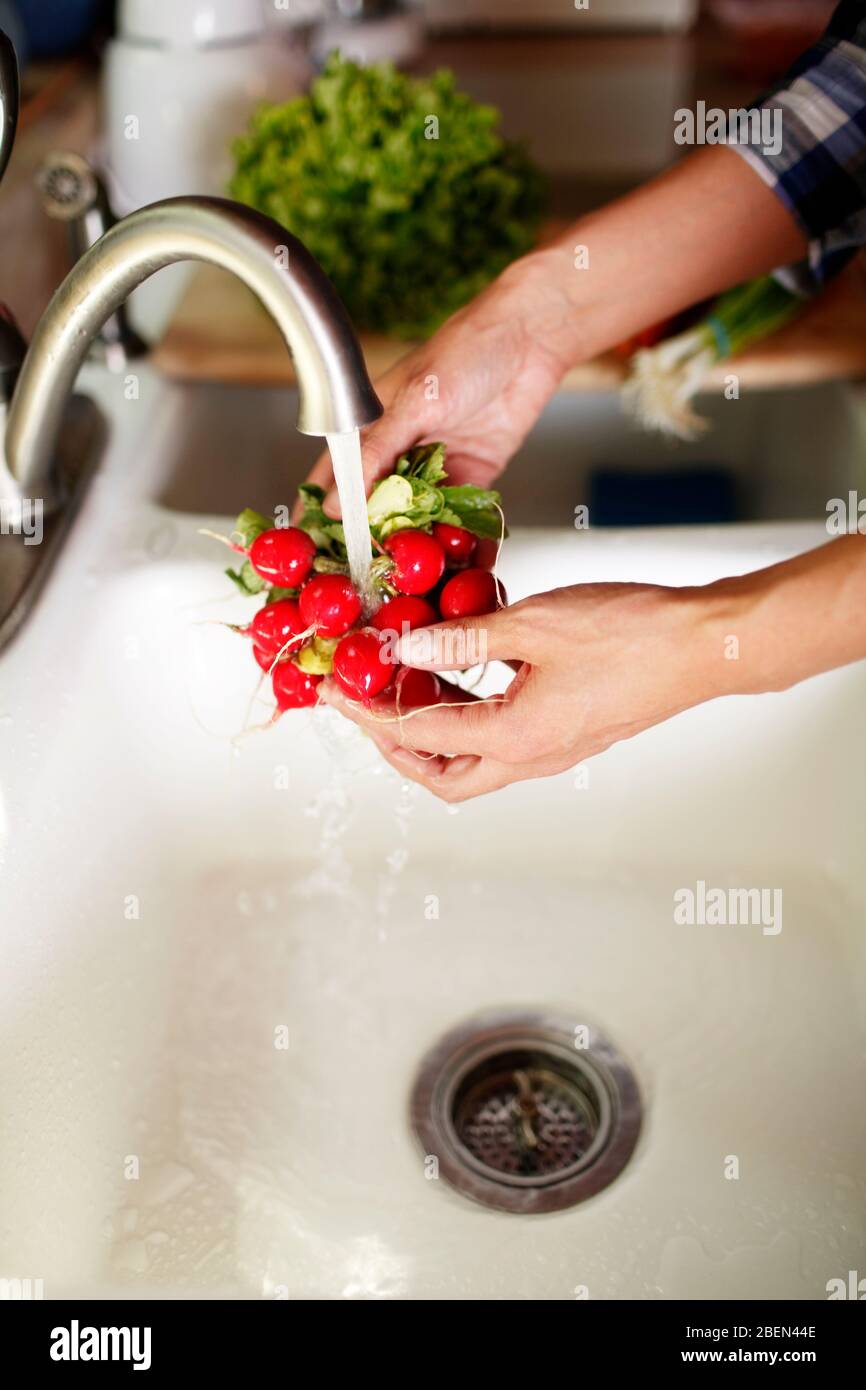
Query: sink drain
{"type": "Point", "coordinates": [526, 1113]}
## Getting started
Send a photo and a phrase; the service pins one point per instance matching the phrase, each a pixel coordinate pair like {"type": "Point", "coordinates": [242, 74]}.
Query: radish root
{"type": "Point", "coordinates": [224, 540]}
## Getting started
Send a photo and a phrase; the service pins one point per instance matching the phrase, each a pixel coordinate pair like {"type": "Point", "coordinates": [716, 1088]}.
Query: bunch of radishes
{"type": "Point", "coordinates": [426, 567]}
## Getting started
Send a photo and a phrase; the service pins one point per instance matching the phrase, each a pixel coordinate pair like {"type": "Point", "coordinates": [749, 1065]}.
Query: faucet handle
{"type": "Point", "coordinates": [8, 99]}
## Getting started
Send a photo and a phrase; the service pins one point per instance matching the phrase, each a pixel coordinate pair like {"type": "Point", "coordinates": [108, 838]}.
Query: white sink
{"type": "Point", "coordinates": [267, 1171]}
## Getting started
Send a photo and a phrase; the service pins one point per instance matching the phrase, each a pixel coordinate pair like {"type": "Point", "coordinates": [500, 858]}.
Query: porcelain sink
{"type": "Point", "coordinates": [220, 970]}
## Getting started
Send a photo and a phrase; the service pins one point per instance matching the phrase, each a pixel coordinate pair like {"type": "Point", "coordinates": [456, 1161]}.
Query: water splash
{"type": "Point", "coordinates": [397, 859]}
{"type": "Point", "coordinates": [332, 874]}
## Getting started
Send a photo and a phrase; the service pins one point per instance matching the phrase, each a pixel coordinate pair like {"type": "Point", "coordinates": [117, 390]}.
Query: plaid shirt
{"type": "Point", "coordinates": [820, 170]}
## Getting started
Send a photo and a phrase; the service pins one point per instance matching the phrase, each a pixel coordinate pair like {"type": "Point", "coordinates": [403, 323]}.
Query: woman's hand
{"type": "Point", "coordinates": [597, 663]}
{"type": "Point", "coordinates": [479, 383]}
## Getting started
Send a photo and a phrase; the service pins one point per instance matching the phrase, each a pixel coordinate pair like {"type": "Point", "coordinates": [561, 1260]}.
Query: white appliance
{"type": "Point", "coordinates": [180, 81]}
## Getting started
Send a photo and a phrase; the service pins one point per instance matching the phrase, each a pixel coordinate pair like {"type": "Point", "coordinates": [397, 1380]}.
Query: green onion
{"type": "Point", "coordinates": [664, 379]}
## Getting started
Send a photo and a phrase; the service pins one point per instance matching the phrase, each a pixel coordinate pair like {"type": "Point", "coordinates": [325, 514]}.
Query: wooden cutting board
{"type": "Point", "coordinates": [220, 333]}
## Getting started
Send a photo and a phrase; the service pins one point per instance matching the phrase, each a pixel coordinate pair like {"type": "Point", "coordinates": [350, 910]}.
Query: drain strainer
{"type": "Point", "coordinates": [526, 1113]}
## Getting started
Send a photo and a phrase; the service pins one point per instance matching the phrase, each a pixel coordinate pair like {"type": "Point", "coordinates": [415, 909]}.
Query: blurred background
{"type": "Point", "coordinates": [590, 91]}
{"type": "Point", "coordinates": [154, 96]}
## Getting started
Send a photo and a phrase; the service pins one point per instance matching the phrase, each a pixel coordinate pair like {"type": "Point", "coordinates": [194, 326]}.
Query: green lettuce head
{"type": "Point", "coordinates": [401, 187]}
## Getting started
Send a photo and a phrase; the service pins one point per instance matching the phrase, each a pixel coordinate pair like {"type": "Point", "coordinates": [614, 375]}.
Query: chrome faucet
{"type": "Point", "coordinates": [36, 384]}
{"type": "Point", "coordinates": [335, 392]}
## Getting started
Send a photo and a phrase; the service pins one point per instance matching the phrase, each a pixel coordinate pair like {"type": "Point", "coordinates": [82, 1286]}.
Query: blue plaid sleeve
{"type": "Point", "coordinates": [819, 166]}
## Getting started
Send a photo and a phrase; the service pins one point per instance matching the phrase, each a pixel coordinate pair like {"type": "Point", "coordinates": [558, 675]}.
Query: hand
{"type": "Point", "coordinates": [479, 383]}
{"type": "Point", "coordinates": [596, 663]}
{"type": "Point", "coordinates": [708, 223]}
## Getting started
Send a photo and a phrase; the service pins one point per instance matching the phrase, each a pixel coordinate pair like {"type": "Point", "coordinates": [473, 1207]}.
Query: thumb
{"type": "Point", "coordinates": [464, 642]}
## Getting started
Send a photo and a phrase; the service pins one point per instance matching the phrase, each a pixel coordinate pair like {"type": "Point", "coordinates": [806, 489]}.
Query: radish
{"type": "Point", "coordinates": [416, 688]}
{"type": "Point", "coordinates": [469, 594]}
{"type": "Point", "coordinates": [329, 604]}
{"type": "Point", "coordinates": [293, 688]}
{"type": "Point", "coordinates": [265, 659]}
{"type": "Point", "coordinates": [275, 625]}
{"type": "Point", "coordinates": [406, 610]}
{"type": "Point", "coordinates": [283, 556]}
{"type": "Point", "coordinates": [459, 544]}
{"type": "Point", "coordinates": [486, 554]}
{"type": "Point", "coordinates": [360, 667]}
{"type": "Point", "coordinates": [315, 622]}
{"type": "Point", "coordinates": [418, 561]}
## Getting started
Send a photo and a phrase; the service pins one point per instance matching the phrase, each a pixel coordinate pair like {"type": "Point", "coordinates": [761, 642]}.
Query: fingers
{"type": "Point", "coordinates": [381, 445]}
{"type": "Point", "coordinates": [375, 464]}
{"type": "Point", "coordinates": [405, 744]}
{"type": "Point", "coordinates": [501, 636]}
{"type": "Point", "coordinates": [374, 440]}
{"type": "Point", "coordinates": [459, 779]}
{"type": "Point", "coordinates": [463, 723]}
{"type": "Point", "coordinates": [322, 475]}
{"type": "Point", "coordinates": [451, 779]}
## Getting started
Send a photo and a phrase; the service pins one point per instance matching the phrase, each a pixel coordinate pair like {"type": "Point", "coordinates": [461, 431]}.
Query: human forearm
{"type": "Point", "coordinates": [598, 663]}
{"type": "Point", "coordinates": [704, 225]}
{"type": "Point", "coordinates": [790, 621]}
{"type": "Point", "coordinates": [482, 380]}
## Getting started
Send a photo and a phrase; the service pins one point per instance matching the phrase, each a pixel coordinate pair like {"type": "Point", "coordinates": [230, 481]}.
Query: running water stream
{"type": "Point", "coordinates": [349, 476]}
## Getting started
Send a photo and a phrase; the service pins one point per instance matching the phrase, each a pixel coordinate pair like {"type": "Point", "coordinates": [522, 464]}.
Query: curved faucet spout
{"type": "Point", "coordinates": [335, 391]}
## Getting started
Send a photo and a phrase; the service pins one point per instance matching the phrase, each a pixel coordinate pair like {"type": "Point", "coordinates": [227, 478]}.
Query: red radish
{"type": "Point", "coordinates": [458, 543]}
{"type": "Point", "coordinates": [329, 604]}
{"type": "Point", "coordinates": [418, 561]}
{"type": "Point", "coordinates": [360, 667]}
{"type": "Point", "coordinates": [293, 688]}
{"type": "Point", "coordinates": [284, 555]}
{"type": "Point", "coordinates": [274, 625]}
{"type": "Point", "coordinates": [486, 555]}
{"type": "Point", "coordinates": [469, 594]}
{"type": "Point", "coordinates": [416, 688]}
{"type": "Point", "coordinates": [404, 609]}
